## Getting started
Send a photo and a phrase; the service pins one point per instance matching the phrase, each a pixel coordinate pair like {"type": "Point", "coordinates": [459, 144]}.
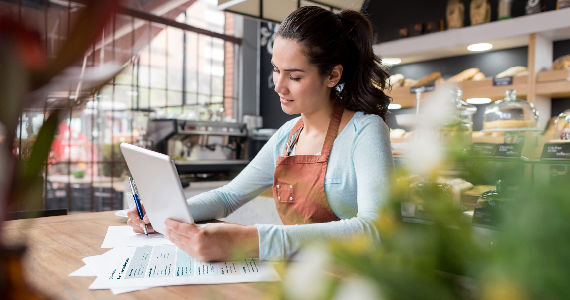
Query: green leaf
{"type": "Point", "coordinates": [13, 87]}
{"type": "Point", "coordinates": [42, 146]}
{"type": "Point", "coordinates": [28, 172]}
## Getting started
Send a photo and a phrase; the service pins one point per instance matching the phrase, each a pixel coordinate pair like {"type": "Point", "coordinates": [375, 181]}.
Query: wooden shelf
{"type": "Point", "coordinates": [485, 88]}
{"type": "Point", "coordinates": [511, 33]}
{"type": "Point", "coordinates": [553, 84]}
{"type": "Point", "coordinates": [471, 89]}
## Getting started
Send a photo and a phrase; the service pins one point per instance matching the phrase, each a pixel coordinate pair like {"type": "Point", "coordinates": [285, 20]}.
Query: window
{"type": "Point", "coordinates": [174, 70]}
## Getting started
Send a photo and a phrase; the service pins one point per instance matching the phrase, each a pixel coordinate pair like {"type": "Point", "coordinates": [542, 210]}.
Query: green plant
{"type": "Point", "coordinates": [442, 255]}
{"type": "Point", "coordinates": [79, 174]}
{"type": "Point", "coordinates": [28, 76]}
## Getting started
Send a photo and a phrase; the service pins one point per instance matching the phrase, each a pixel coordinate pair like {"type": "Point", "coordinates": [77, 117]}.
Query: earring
{"type": "Point", "coordinates": [339, 87]}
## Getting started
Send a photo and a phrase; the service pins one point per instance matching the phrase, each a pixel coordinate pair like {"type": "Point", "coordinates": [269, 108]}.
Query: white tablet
{"type": "Point", "coordinates": [158, 186]}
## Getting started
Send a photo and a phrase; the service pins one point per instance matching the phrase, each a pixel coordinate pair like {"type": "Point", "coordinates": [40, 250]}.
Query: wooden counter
{"type": "Point", "coordinates": [57, 245]}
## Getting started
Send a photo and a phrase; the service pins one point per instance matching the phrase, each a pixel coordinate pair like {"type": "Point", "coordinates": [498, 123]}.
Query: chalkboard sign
{"type": "Point", "coordinates": [428, 87]}
{"type": "Point", "coordinates": [269, 104]}
{"type": "Point", "coordinates": [509, 150]}
{"type": "Point", "coordinates": [484, 149]}
{"type": "Point", "coordinates": [502, 81]}
{"type": "Point", "coordinates": [497, 150]}
{"type": "Point", "coordinates": [556, 151]}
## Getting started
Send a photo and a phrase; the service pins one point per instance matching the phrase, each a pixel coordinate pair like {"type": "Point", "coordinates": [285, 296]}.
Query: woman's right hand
{"type": "Point", "coordinates": [136, 223]}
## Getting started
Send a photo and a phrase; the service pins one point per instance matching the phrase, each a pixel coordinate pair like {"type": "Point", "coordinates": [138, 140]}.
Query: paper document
{"type": "Point", "coordinates": [95, 265]}
{"type": "Point", "coordinates": [137, 262]}
{"type": "Point", "coordinates": [121, 236]}
{"type": "Point", "coordinates": [162, 265]}
{"type": "Point", "coordinates": [83, 271]}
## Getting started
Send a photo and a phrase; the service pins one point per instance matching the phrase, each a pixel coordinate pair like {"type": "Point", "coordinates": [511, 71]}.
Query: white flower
{"type": "Point", "coordinates": [358, 288]}
{"type": "Point", "coordinates": [306, 278]}
{"type": "Point", "coordinates": [425, 151]}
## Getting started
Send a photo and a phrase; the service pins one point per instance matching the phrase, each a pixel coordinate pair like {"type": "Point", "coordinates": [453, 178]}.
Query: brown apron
{"type": "Point", "coordinates": [299, 180]}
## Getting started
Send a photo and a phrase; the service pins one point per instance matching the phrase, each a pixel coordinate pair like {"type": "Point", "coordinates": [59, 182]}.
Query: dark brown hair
{"type": "Point", "coordinates": [345, 38]}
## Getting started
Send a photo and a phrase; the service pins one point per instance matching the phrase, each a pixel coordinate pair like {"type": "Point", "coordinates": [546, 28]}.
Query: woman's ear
{"type": "Point", "coordinates": [334, 76]}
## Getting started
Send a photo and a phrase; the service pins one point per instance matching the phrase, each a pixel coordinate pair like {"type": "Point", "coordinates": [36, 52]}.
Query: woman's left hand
{"type": "Point", "coordinates": [215, 241]}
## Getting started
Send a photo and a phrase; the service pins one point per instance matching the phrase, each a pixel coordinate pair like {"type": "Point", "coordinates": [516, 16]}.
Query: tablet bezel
{"type": "Point", "coordinates": [158, 185]}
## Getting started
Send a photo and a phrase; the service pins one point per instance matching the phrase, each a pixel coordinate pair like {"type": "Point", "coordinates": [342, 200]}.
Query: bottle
{"type": "Point", "coordinates": [505, 9]}
{"type": "Point", "coordinates": [461, 127]}
{"type": "Point", "coordinates": [465, 111]}
{"type": "Point", "coordinates": [533, 7]}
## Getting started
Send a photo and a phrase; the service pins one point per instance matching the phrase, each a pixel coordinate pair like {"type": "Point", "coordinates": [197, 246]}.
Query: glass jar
{"type": "Point", "coordinates": [462, 123]}
{"type": "Point", "coordinates": [465, 111]}
{"type": "Point", "coordinates": [510, 113]}
{"type": "Point", "coordinates": [562, 126]}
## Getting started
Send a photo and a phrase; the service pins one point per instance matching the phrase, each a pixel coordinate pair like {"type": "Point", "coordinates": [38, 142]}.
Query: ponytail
{"type": "Point", "coordinates": [346, 39]}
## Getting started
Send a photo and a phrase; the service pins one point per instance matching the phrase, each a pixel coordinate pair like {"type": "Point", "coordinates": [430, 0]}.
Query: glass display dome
{"type": "Point", "coordinates": [562, 126]}
{"type": "Point", "coordinates": [463, 119]}
{"type": "Point", "coordinates": [465, 111]}
{"type": "Point", "coordinates": [510, 113]}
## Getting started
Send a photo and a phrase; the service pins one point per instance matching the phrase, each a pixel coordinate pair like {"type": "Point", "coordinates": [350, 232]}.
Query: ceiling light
{"type": "Point", "coordinates": [390, 61]}
{"type": "Point", "coordinates": [478, 100]}
{"type": "Point", "coordinates": [480, 47]}
{"type": "Point", "coordinates": [394, 106]}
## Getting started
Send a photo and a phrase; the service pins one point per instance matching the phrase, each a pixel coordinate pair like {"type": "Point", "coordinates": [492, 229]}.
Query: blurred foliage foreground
{"type": "Point", "coordinates": [525, 255]}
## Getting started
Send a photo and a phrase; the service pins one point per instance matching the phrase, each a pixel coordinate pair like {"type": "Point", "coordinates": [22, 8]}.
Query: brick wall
{"type": "Point", "coordinates": [229, 67]}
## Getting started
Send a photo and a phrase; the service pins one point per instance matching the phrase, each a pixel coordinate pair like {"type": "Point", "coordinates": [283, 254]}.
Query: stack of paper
{"type": "Point", "coordinates": [137, 262]}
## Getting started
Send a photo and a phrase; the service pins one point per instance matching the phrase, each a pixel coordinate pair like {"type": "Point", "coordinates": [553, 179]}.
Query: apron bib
{"type": "Point", "coordinates": [299, 180]}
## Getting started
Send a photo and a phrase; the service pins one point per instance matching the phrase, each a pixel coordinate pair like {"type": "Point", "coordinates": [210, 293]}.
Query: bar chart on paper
{"type": "Point", "coordinates": [161, 265]}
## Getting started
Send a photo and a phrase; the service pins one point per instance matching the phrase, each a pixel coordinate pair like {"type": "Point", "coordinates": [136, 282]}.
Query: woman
{"type": "Point", "coordinates": [328, 168]}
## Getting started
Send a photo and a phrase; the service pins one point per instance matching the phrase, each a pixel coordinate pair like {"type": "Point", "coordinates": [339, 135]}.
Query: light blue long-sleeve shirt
{"type": "Point", "coordinates": [356, 185]}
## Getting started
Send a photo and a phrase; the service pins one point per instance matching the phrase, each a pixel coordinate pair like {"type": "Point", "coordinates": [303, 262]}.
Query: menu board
{"type": "Point", "coordinates": [556, 151]}
{"type": "Point", "coordinates": [508, 150]}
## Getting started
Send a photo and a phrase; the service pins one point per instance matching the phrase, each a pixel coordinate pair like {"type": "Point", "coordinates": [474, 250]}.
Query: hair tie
{"type": "Point", "coordinates": [348, 31]}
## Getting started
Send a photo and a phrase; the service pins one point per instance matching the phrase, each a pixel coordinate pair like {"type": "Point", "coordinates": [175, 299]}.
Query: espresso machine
{"type": "Point", "coordinates": [200, 149]}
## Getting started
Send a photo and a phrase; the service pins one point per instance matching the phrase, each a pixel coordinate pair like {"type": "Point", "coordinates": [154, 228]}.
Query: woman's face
{"type": "Point", "coordinates": [300, 87]}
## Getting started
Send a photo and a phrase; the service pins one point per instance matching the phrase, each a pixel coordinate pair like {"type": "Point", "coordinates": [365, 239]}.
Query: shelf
{"type": "Point", "coordinates": [471, 89]}
{"type": "Point", "coordinates": [555, 75]}
{"type": "Point", "coordinates": [553, 84]}
{"type": "Point", "coordinates": [485, 88]}
{"type": "Point", "coordinates": [511, 33]}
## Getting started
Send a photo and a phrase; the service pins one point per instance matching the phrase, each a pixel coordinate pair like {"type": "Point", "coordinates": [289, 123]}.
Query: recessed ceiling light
{"type": "Point", "coordinates": [478, 100]}
{"type": "Point", "coordinates": [390, 61]}
{"type": "Point", "coordinates": [480, 47]}
{"type": "Point", "coordinates": [394, 106]}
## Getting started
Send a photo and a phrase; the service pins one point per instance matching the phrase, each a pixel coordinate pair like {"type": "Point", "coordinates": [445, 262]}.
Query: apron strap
{"type": "Point", "coordinates": [296, 131]}
{"type": "Point", "coordinates": [329, 139]}
{"type": "Point", "coordinates": [332, 131]}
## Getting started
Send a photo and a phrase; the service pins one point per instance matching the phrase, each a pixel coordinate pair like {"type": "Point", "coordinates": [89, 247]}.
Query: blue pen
{"type": "Point", "coordinates": [137, 201]}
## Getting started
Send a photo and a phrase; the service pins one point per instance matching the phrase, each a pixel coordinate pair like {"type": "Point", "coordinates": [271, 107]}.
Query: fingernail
{"type": "Point", "coordinates": [141, 226]}
{"type": "Point", "coordinates": [145, 219]}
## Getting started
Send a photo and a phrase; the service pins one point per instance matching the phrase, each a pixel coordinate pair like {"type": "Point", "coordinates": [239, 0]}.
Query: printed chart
{"type": "Point", "coordinates": [161, 265]}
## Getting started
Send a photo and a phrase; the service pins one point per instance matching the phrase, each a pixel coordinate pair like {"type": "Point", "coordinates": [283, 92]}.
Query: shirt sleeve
{"type": "Point", "coordinates": [255, 178]}
{"type": "Point", "coordinates": [372, 160]}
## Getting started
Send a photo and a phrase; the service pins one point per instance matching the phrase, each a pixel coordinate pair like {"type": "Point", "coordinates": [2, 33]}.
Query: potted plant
{"type": "Point", "coordinates": [27, 77]}
{"type": "Point", "coordinates": [441, 254]}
